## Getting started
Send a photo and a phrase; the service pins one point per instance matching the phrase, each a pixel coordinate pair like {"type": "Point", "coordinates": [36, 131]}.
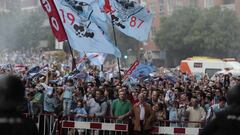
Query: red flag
{"type": "Point", "coordinates": [54, 19]}
{"type": "Point", "coordinates": [107, 6]}
{"type": "Point", "coordinates": [83, 59]}
{"type": "Point", "coordinates": [131, 69]}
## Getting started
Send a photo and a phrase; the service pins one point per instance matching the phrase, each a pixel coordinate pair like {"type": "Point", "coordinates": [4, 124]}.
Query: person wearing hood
{"type": "Point", "coordinates": [226, 121]}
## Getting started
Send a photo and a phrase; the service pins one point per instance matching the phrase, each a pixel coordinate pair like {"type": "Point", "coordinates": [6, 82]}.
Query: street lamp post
{"type": "Point", "coordinates": [141, 54]}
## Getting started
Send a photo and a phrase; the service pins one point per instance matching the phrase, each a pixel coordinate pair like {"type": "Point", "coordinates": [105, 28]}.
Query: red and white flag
{"type": "Point", "coordinates": [131, 69]}
{"type": "Point", "coordinates": [54, 19]}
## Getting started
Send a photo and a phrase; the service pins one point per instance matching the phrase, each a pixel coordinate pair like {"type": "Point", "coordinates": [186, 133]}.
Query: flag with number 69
{"type": "Point", "coordinates": [129, 17]}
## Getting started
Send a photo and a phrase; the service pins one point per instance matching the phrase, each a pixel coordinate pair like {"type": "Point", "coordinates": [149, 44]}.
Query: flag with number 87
{"type": "Point", "coordinates": [129, 17]}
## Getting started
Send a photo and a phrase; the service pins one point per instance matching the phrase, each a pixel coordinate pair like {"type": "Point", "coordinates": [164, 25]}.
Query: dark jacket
{"type": "Point", "coordinates": [227, 122]}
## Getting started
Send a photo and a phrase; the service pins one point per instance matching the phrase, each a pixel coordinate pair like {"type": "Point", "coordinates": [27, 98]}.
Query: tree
{"type": "Point", "coordinates": [192, 32]}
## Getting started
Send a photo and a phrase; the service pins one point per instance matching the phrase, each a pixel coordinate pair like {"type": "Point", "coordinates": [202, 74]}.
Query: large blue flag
{"type": "Point", "coordinates": [129, 17]}
{"type": "Point", "coordinates": [94, 13]}
{"type": "Point", "coordinates": [83, 34]}
{"type": "Point", "coordinates": [142, 71]}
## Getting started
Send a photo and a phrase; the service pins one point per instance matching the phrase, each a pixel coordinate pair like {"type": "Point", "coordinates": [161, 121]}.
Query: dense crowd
{"type": "Point", "coordinates": [164, 95]}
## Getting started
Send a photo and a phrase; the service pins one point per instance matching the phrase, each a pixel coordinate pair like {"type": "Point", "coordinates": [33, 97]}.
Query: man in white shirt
{"type": "Point", "coordinates": [195, 113]}
{"type": "Point", "coordinates": [143, 116]}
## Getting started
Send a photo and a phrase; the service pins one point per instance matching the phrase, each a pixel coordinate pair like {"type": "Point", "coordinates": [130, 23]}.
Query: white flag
{"type": "Point", "coordinates": [129, 17]}
{"type": "Point", "coordinates": [83, 34]}
{"type": "Point", "coordinates": [97, 58]}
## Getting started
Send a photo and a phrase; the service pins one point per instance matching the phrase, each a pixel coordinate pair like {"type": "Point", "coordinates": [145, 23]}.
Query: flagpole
{"type": "Point", "coordinates": [73, 59]}
{"type": "Point", "coordinates": [115, 42]}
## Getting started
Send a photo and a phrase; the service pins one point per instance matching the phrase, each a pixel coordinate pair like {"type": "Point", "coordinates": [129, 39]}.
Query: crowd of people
{"type": "Point", "coordinates": [179, 100]}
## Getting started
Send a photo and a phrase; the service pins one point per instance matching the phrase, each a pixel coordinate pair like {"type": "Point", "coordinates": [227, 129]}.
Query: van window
{"type": "Point", "coordinates": [197, 65]}
{"type": "Point", "coordinates": [211, 71]}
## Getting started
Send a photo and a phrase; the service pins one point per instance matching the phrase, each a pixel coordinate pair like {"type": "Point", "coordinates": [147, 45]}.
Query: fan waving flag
{"type": "Point", "coordinates": [83, 34]}
{"type": "Point", "coordinates": [129, 17]}
{"type": "Point", "coordinates": [95, 58]}
{"type": "Point", "coordinates": [54, 19]}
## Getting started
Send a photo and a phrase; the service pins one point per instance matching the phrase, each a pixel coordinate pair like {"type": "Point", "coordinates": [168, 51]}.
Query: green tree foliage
{"type": "Point", "coordinates": [194, 32]}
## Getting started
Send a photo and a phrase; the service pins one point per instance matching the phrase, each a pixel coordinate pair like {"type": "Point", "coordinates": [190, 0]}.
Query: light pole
{"type": "Point", "coordinates": [141, 54]}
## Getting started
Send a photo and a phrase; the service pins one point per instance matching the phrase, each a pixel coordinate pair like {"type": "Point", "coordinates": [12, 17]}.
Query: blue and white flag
{"type": "Point", "coordinates": [33, 71]}
{"type": "Point", "coordinates": [81, 75]}
{"type": "Point", "coordinates": [80, 66]}
{"type": "Point", "coordinates": [97, 58]}
{"type": "Point", "coordinates": [129, 17]}
{"type": "Point", "coordinates": [83, 34]}
{"type": "Point", "coordinates": [93, 12]}
{"type": "Point", "coordinates": [9, 66]}
{"type": "Point", "coordinates": [142, 71]}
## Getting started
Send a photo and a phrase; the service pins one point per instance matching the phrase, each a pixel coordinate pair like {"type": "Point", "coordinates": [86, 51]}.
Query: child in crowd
{"type": "Point", "coordinates": [80, 114]}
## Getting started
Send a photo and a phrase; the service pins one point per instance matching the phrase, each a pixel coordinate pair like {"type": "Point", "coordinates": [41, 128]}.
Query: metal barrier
{"type": "Point", "coordinates": [94, 126]}
{"type": "Point", "coordinates": [123, 128]}
{"type": "Point", "coordinates": [49, 124]}
{"type": "Point", "coordinates": [175, 130]}
{"type": "Point", "coordinates": [167, 123]}
{"type": "Point", "coordinates": [180, 127]}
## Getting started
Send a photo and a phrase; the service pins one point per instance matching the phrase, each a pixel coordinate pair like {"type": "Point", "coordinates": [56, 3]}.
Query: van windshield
{"type": "Point", "coordinates": [211, 71]}
{"type": "Point", "coordinates": [233, 64]}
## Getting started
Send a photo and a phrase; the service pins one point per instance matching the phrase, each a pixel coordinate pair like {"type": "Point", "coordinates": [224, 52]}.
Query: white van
{"type": "Point", "coordinates": [207, 65]}
{"type": "Point", "coordinates": [199, 65]}
{"type": "Point", "coordinates": [232, 67]}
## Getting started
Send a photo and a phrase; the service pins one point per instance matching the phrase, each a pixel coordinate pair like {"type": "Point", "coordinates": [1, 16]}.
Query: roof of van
{"type": "Point", "coordinates": [229, 59]}
{"type": "Point", "coordinates": [202, 58]}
